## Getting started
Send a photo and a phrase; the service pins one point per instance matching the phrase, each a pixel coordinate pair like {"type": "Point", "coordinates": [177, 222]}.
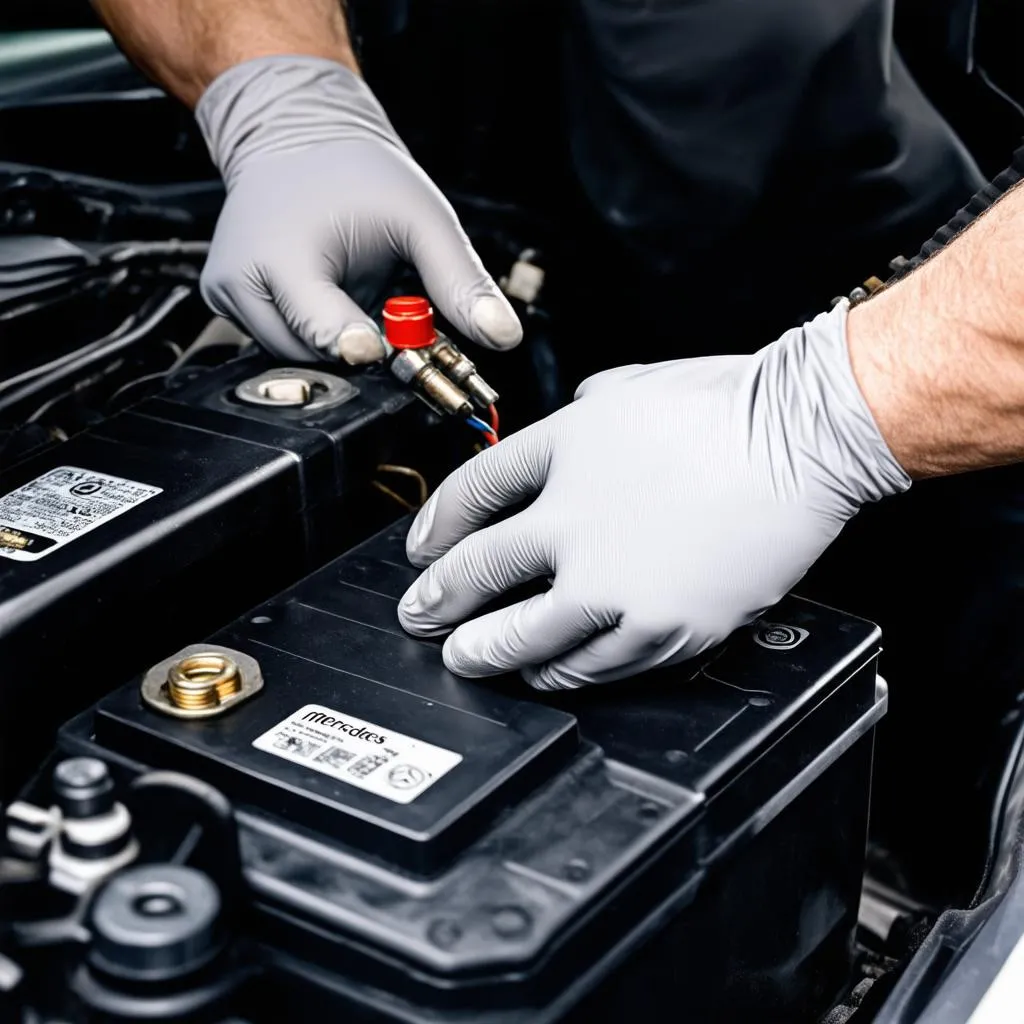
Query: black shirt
{"type": "Point", "coordinates": [757, 155]}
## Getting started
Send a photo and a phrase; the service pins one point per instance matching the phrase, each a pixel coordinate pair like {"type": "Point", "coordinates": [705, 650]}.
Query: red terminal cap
{"type": "Point", "coordinates": [409, 322]}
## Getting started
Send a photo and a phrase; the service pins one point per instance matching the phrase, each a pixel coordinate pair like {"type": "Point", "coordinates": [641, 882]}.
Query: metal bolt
{"type": "Point", "coordinates": [510, 922]}
{"type": "Point", "coordinates": [83, 787]}
{"type": "Point", "coordinates": [577, 870]}
{"type": "Point", "coordinates": [157, 905]}
{"type": "Point", "coordinates": [649, 810]}
{"type": "Point", "coordinates": [444, 932]}
{"type": "Point", "coordinates": [80, 772]}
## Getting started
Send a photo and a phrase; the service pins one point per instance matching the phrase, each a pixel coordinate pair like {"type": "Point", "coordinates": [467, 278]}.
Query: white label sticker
{"type": "Point", "coordinates": [360, 753]}
{"type": "Point", "coordinates": [58, 507]}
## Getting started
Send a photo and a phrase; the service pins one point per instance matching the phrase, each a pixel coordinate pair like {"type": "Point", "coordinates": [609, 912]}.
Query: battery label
{"type": "Point", "coordinates": [58, 507]}
{"type": "Point", "coordinates": [360, 753]}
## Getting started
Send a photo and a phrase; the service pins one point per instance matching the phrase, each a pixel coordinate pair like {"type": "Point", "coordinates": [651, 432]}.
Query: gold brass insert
{"type": "Point", "coordinates": [201, 681]}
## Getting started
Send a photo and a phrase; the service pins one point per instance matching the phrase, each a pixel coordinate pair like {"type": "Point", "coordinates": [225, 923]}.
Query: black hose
{"type": "Point", "coordinates": [124, 252]}
{"type": "Point", "coordinates": [98, 351]}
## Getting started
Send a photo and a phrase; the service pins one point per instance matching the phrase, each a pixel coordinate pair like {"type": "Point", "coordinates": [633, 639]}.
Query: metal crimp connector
{"type": "Point", "coordinates": [413, 366]}
{"type": "Point", "coordinates": [462, 371]}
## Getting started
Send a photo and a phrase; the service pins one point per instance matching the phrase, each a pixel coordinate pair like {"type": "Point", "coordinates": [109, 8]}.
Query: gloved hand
{"type": "Point", "coordinates": [674, 503]}
{"type": "Point", "coordinates": [323, 196]}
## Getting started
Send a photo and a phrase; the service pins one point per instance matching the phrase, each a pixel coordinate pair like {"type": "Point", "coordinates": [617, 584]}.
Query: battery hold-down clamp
{"type": "Point", "coordinates": [433, 366]}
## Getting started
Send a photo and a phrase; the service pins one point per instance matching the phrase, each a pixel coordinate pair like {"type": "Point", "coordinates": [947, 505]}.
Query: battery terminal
{"type": "Point", "coordinates": [201, 682]}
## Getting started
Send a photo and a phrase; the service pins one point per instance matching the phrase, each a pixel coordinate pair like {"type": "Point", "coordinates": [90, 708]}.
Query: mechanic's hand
{"type": "Point", "coordinates": [323, 195]}
{"type": "Point", "coordinates": [675, 502]}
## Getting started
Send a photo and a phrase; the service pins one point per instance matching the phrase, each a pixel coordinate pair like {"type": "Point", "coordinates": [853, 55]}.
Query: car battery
{"type": "Point", "coordinates": [162, 522]}
{"type": "Point", "coordinates": [418, 847]}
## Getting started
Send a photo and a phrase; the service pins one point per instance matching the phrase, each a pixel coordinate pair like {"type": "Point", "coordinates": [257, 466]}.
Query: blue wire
{"type": "Point", "coordinates": [484, 428]}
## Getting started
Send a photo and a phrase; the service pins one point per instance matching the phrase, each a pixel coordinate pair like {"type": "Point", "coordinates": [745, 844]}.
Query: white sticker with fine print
{"type": "Point", "coordinates": [360, 753]}
{"type": "Point", "coordinates": [61, 505]}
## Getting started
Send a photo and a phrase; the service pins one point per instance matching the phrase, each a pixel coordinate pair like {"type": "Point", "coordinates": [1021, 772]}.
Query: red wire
{"type": "Point", "coordinates": [493, 410]}
{"type": "Point", "coordinates": [491, 439]}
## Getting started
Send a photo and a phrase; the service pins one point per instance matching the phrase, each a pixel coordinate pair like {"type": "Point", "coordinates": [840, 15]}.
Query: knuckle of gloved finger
{"type": "Point", "coordinates": [537, 678]}
{"type": "Point", "coordinates": [231, 281]}
{"type": "Point", "coordinates": [305, 306]}
{"type": "Point", "coordinates": [475, 486]}
{"type": "Point", "coordinates": [479, 567]}
{"type": "Point", "coordinates": [606, 379]}
{"type": "Point", "coordinates": [215, 286]}
{"type": "Point", "coordinates": [435, 209]}
{"type": "Point", "coordinates": [555, 677]}
{"type": "Point", "coordinates": [583, 608]}
{"type": "Point", "coordinates": [525, 465]}
{"type": "Point", "coordinates": [310, 327]}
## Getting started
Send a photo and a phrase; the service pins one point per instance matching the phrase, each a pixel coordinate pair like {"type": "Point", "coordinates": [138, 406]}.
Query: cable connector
{"type": "Point", "coordinates": [413, 367]}
{"type": "Point", "coordinates": [460, 369]}
{"type": "Point", "coordinates": [430, 362]}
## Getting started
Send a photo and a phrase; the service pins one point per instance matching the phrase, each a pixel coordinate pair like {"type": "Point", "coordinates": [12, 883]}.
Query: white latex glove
{"type": "Point", "coordinates": [674, 503]}
{"type": "Point", "coordinates": [322, 200]}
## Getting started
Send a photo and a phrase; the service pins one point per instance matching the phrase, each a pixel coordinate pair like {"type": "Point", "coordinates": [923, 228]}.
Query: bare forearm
{"type": "Point", "coordinates": [185, 44]}
{"type": "Point", "coordinates": [940, 355]}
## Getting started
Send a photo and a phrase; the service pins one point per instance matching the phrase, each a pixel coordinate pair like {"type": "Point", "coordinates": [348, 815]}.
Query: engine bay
{"type": "Point", "coordinates": [361, 832]}
{"type": "Point", "coordinates": [470, 853]}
